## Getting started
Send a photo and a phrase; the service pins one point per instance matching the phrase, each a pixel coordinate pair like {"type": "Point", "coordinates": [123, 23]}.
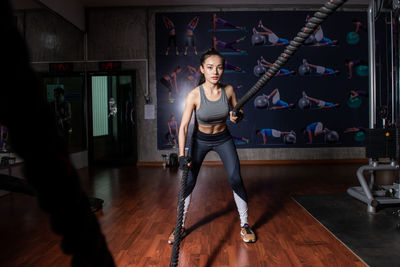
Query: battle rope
{"type": "Point", "coordinates": [312, 24]}
{"type": "Point", "coordinates": [178, 226]}
{"type": "Point", "coordinates": [294, 45]}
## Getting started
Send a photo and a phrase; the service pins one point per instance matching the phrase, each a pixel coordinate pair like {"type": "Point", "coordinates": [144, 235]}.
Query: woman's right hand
{"type": "Point", "coordinates": [184, 162]}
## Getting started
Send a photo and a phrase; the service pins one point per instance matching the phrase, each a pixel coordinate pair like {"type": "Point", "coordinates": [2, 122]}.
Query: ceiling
{"type": "Point", "coordinates": [74, 10]}
{"type": "Point", "coordinates": [24, 4]}
{"type": "Point", "coordinates": [29, 4]}
{"type": "Point", "coordinates": [89, 3]}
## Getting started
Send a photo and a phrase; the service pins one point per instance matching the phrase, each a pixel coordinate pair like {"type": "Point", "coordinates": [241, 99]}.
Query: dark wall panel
{"type": "Point", "coordinates": [332, 86]}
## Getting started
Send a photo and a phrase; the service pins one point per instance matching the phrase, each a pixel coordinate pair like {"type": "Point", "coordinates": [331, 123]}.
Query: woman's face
{"type": "Point", "coordinates": [213, 68]}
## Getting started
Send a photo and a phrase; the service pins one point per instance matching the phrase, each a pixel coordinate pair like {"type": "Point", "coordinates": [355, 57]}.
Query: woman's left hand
{"type": "Point", "coordinates": [237, 118]}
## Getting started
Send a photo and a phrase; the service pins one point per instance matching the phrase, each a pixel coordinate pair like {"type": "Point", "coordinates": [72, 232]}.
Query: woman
{"type": "Point", "coordinates": [171, 35]}
{"type": "Point", "coordinates": [321, 103]}
{"type": "Point", "coordinates": [273, 39]}
{"type": "Point", "coordinates": [172, 130]}
{"type": "Point", "coordinates": [217, 20]}
{"type": "Point", "coordinates": [210, 102]}
{"type": "Point", "coordinates": [315, 128]}
{"type": "Point", "coordinates": [321, 70]}
{"type": "Point", "coordinates": [319, 37]}
{"type": "Point", "coordinates": [271, 133]}
{"type": "Point", "coordinates": [360, 65]}
{"type": "Point", "coordinates": [228, 45]}
{"type": "Point", "coordinates": [266, 64]}
{"type": "Point", "coordinates": [169, 81]}
{"type": "Point", "coordinates": [277, 102]}
{"type": "Point", "coordinates": [194, 74]}
{"type": "Point", "coordinates": [189, 37]}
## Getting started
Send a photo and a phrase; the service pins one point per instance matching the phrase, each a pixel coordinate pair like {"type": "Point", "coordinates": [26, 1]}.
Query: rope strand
{"type": "Point", "coordinates": [178, 226]}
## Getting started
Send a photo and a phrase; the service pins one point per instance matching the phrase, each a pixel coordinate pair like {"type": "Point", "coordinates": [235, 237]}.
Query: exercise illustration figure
{"type": "Point", "coordinates": [354, 129]}
{"type": "Point", "coordinates": [353, 37]}
{"type": "Point", "coordinates": [172, 134]}
{"type": "Point", "coordinates": [266, 64]}
{"type": "Point", "coordinates": [216, 20]}
{"type": "Point", "coordinates": [320, 103]}
{"type": "Point", "coordinates": [355, 98]}
{"type": "Point", "coordinates": [276, 102]}
{"type": "Point", "coordinates": [271, 133]}
{"type": "Point", "coordinates": [314, 129]}
{"type": "Point", "coordinates": [318, 38]}
{"type": "Point", "coordinates": [210, 103]}
{"type": "Point", "coordinates": [194, 74]}
{"type": "Point", "coordinates": [170, 82]}
{"type": "Point", "coordinates": [228, 45]}
{"type": "Point", "coordinates": [360, 66]}
{"type": "Point", "coordinates": [270, 36]}
{"type": "Point", "coordinates": [189, 37]}
{"type": "Point", "coordinates": [357, 93]}
{"type": "Point", "coordinates": [229, 66]}
{"type": "Point", "coordinates": [171, 35]}
{"type": "Point", "coordinates": [359, 26]}
{"type": "Point", "coordinates": [359, 133]}
{"type": "Point", "coordinates": [240, 139]}
{"type": "Point", "coordinates": [320, 70]}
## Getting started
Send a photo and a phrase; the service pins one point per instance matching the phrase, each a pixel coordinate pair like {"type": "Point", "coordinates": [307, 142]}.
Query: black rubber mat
{"type": "Point", "coordinates": [375, 238]}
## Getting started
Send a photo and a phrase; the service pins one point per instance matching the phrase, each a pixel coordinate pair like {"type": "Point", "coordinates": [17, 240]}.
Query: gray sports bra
{"type": "Point", "coordinates": [212, 112]}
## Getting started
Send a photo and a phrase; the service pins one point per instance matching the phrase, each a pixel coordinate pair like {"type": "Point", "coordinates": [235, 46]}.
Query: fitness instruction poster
{"type": "Point", "coordinates": [319, 98]}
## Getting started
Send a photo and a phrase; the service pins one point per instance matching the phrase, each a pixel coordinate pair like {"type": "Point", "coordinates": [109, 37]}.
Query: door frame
{"type": "Point", "coordinates": [90, 74]}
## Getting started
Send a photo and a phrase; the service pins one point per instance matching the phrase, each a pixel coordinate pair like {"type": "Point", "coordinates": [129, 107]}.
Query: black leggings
{"type": "Point", "coordinates": [223, 144]}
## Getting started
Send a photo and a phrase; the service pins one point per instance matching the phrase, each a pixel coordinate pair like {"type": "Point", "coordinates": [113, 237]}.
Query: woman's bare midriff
{"type": "Point", "coordinates": [212, 129]}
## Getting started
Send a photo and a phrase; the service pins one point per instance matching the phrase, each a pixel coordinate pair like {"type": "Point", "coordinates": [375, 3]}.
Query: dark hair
{"type": "Point", "coordinates": [258, 131]}
{"type": "Point", "coordinates": [210, 52]}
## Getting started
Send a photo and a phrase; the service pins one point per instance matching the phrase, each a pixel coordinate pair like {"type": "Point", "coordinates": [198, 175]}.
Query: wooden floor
{"type": "Point", "coordinates": [140, 212]}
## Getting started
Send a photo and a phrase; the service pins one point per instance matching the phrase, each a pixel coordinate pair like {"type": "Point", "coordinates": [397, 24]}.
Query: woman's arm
{"type": "Point", "coordinates": [187, 114]}
{"type": "Point", "coordinates": [176, 127]}
{"type": "Point", "coordinates": [175, 82]}
{"type": "Point", "coordinates": [230, 93]}
{"type": "Point", "coordinates": [169, 128]}
{"type": "Point", "coordinates": [165, 21]}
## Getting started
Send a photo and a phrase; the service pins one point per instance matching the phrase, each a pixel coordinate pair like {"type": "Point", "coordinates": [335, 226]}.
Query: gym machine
{"type": "Point", "coordinates": [382, 140]}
